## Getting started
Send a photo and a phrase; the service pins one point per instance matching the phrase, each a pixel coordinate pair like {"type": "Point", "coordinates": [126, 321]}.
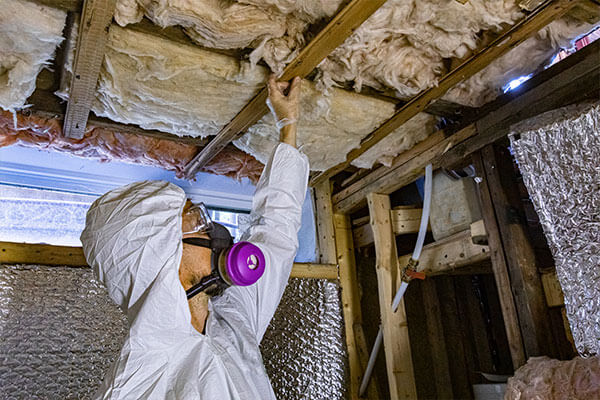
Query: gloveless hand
{"type": "Point", "coordinates": [285, 107]}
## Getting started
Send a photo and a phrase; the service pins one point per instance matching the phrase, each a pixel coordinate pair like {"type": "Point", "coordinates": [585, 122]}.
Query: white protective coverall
{"type": "Point", "coordinates": [132, 239]}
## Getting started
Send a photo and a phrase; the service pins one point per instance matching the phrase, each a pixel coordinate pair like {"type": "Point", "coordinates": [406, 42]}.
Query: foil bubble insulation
{"type": "Point", "coordinates": [59, 332]}
{"type": "Point", "coordinates": [558, 153]}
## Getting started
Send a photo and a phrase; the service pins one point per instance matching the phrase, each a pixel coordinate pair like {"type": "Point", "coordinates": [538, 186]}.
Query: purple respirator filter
{"type": "Point", "coordinates": [243, 264]}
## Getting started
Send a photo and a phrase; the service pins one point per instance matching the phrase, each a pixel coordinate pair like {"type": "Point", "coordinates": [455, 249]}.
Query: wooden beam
{"type": "Point", "coordinates": [45, 254]}
{"type": "Point", "coordinates": [406, 168]}
{"type": "Point", "coordinates": [500, 269]}
{"type": "Point", "coordinates": [65, 5]}
{"type": "Point", "coordinates": [333, 35]}
{"type": "Point", "coordinates": [435, 332]}
{"type": "Point", "coordinates": [395, 330]}
{"type": "Point", "coordinates": [404, 220]}
{"type": "Point", "coordinates": [355, 340]}
{"type": "Point", "coordinates": [325, 229]}
{"type": "Point", "coordinates": [520, 255]}
{"type": "Point", "coordinates": [515, 35]}
{"type": "Point", "coordinates": [89, 55]}
{"type": "Point", "coordinates": [449, 255]}
{"type": "Point", "coordinates": [573, 79]}
{"type": "Point", "coordinates": [552, 290]}
{"type": "Point", "coordinates": [41, 254]}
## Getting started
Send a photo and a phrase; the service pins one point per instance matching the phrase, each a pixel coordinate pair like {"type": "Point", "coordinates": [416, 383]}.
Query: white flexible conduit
{"type": "Point", "coordinates": [403, 285]}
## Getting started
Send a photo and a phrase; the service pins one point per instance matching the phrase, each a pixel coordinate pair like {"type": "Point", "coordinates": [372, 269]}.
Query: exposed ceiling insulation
{"type": "Point", "coordinates": [529, 56]}
{"type": "Point", "coordinates": [403, 46]}
{"type": "Point", "coordinates": [186, 90]}
{"type": "Point", "coordinates": [29, 34]}
{"type": "Point", "coordinates": [105, 145]}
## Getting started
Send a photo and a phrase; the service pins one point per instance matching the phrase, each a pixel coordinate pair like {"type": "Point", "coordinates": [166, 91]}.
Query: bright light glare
{"type": "Point", "coordinates": [515, 83]}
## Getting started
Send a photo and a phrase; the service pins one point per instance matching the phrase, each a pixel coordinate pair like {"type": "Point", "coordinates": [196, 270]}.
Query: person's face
{"type": "Point", "coordinates": [195, 265]}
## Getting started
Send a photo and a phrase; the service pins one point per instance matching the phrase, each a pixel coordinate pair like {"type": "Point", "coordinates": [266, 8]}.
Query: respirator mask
{"type": "Point", "coordinates": [232, 264]}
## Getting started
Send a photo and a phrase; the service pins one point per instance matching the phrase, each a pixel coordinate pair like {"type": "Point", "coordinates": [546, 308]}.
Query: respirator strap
{"type": "Point", "coordinates": [199, 242]}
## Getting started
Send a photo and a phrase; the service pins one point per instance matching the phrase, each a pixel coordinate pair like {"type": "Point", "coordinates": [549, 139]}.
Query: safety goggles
{"type": "Point", "coordinates": [196, 219]}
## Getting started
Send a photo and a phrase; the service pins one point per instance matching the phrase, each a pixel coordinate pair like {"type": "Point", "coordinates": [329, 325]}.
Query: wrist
{"type": "Point", "coordinates": [287, 134]}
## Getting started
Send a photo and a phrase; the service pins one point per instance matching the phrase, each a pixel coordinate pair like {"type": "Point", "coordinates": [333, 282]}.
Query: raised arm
{"type": "Point", "coordinates": [276, 212]}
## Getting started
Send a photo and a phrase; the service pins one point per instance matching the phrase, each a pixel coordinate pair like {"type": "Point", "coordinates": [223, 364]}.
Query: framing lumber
{"type": "Point", "coordinates": [404, 220]}
{"type": "Point", "coordinates": [520, 255]}
{"type": "Point", "coordinates": [65, 5]}
{"type": "Point", "coordinates": [45, 254]}
{"type": "Point", "coordinates": [552, 290]}
{"type": "Point", "coordinates": [333, 35]}
{"type": "Point", "coordinates": [358, 353]}
{"type": "Point", "coordinates": [395, 330]}
{"type": "Point", "coordinates": [405, 168]}
{"type": "Point", "coordinates": [532, 23]}
{"type": "Point", "coordinates": [435, 333]}
{"type": "Point", "coordinates": [571, 80]}
{"type": "Point", "coordinates": [449, 255]}
{"type": "Point", "coordinates": [325, 229]}
{"type": "Point", "coordinates": [89, 54]}
{"type": "Point", "coordinates": [500, 269]}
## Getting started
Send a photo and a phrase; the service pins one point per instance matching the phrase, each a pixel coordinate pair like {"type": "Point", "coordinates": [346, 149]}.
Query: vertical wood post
{"type": "Point", "coordinates": [435, 331]}
{"type": "Point", "coordinates": [395, 331]}
{"type": "Point", "coordinates": [336, 245]}
{"type": "Point", "coordinates": [499, 266]}
{"type": "Point", "coordinates": [325, 229]}
{"type": "Point", "coordinates": [520, 256]}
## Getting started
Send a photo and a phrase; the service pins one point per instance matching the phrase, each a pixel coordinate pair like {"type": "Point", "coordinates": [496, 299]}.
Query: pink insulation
{"type": "Point", "coordinates": [106, 145]}
{"type": "Point", "coordinates": [549, 379]}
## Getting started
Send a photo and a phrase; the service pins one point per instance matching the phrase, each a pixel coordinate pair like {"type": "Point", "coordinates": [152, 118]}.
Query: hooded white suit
{"type": "Point", "coordinates": [132, 239]}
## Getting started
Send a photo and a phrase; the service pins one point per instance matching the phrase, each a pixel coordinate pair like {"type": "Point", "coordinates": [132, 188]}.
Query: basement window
{"type": "Point", "coordinates": [57, 218]}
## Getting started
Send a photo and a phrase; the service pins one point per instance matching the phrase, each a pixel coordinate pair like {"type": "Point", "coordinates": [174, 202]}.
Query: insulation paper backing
{"type": "Point", "coordinates": [59, 332]}
{"type": "Point", "coordinates": [559, 156]}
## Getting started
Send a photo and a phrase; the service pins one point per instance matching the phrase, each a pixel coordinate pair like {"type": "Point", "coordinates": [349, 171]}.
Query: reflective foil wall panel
{"type": "Point", "coordinates": [59, 332]}
{"type": "Point", "coordinates": [559, 156]}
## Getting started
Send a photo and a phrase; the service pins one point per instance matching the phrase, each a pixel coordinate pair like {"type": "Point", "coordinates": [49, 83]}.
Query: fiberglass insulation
{"type": "Point", "coordinates": [185, 90]}
{"type": "Point", "coordinates": [29, 34]}
{"type": "Point", "coordinates": [401, 46]}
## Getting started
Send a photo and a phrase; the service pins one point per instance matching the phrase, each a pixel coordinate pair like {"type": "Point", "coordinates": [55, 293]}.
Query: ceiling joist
{"type": "Point", "coordinates": [333, 35]}
{"type": "Point", "coordinates": [515, 35]}
{"type": "Point", "coordinates": [89, 53]}
{"type": "Point", "coordinates": [574, 79]}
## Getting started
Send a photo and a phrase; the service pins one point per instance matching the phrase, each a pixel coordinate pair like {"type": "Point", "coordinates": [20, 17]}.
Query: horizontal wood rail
{"type": "Point", "coordinates": [45, 254]}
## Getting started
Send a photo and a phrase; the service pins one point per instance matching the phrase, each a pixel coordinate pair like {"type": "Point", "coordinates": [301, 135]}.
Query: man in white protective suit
{"type": "Point", "coordinates": [207, 347]}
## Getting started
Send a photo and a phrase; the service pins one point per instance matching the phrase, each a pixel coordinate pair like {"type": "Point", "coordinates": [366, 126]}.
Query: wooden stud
{"type": "Point", "coordinates": [333, 35]}
{"type": "Point", "coordinates": [41, 254]}
{"type": "Point", "coordinates": [507, 304]}
{"type": "Point", "coordinates": [405, 220]}
{"type": "Point", "coordinates": [515, 35]}
{"type": "Point", "coordinates": [45, 254]}
{"type": "Point", "coordinates": [573, 79]}
{"type": "Point", "coordinates": [552, 290]}
{"type": "Point", "coordinates": [499, 266]}
{"type": "Point", "coordinates": [89, 54]}
{"type": "Point", "coordinates": [520, 256]}
{"type": "Point", "coordinates": [395, 331]}
{"type": "Point", "coordinates": [449, 255]}
{"type": "Point", "coordinates": [325, 229]}
{"type": "Point", "coordinates": [357, 347]}
{"type": "Point", "coordinates": [435, 332]}
{"type": "Point", "coordinates": [409, 168]}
